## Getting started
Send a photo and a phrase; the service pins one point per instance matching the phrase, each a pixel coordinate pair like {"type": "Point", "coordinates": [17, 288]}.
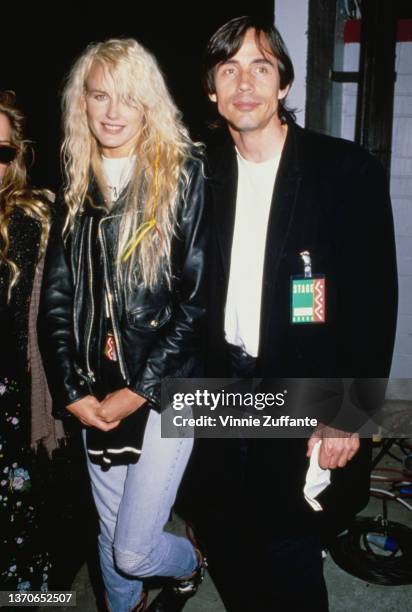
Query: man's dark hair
{"type": "Point", "coordinates": [228, 39]}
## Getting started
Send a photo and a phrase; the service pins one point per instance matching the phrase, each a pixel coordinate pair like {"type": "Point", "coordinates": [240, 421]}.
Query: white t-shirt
{"type": "Point", "coordinates": [118, 171]}
{"type": "Point", "coordinates": [254, 196]}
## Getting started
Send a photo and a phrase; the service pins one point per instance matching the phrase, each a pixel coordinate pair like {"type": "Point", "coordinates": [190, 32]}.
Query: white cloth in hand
{"type": "Point", "coordinates": [317, 479]}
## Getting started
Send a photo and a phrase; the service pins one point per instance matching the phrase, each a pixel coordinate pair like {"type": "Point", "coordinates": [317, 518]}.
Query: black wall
{"type": "Point", "coordinates": [39, 41]}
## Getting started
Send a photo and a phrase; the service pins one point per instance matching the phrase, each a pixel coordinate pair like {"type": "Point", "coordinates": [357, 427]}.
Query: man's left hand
{"type": "Point", "coordinates": [118, 405]}
{"type": "Point", "coordinates": [337, 447]}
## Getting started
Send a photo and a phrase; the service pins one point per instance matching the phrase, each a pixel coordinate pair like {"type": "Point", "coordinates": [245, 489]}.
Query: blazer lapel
{"type": "Point", "coordinates": [223, 185]}
{"type": "Point", "coordinates": [285, 195]}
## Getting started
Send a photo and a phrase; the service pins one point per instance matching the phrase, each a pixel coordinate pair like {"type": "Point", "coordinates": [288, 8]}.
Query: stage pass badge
{"type": "Point", "coordinates": [308, 295]}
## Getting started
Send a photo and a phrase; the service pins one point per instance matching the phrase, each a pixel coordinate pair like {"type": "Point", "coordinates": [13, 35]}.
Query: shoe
{"type": "Point", "coordinates": [173, 597]}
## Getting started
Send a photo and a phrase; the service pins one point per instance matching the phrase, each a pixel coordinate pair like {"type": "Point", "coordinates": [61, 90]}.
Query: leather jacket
{"type": "Point", "coordinates": [157, 333]}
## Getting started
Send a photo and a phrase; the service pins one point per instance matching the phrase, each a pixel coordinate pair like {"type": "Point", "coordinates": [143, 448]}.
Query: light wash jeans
{"type": "Point", "coordinates": [134, 503]}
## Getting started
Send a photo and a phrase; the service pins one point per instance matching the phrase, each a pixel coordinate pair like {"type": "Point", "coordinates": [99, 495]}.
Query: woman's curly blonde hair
{"type": "Point", "coordinates": [14, 189]}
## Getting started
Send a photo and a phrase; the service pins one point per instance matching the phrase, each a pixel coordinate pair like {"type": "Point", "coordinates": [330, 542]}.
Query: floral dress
{"type": "Point", "coordinates": [24, 560]}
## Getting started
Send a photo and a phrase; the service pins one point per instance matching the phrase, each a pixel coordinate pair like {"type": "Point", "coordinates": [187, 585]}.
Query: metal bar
{"type": "Point", "coordinates": [374, 113]}
{"type": "Point", "coordinates": [344, 77]}
{"type": "Point", "coordinates": [321, 43]}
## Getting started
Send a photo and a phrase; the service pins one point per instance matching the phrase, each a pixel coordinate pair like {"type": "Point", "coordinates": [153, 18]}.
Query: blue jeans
{"type": "Point", "coordinates": [134, 503]}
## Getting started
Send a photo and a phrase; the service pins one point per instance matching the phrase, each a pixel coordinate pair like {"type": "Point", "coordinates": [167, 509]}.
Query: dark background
{"type": "Point", "coordinates": [40, 39]}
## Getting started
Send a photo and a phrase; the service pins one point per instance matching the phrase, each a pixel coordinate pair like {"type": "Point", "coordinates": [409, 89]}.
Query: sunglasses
{"type": "Point", "coordinates": [7, 154]}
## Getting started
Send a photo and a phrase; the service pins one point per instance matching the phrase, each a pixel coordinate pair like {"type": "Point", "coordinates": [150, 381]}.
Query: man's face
{"type": "Point", "coordinates": [247, 86]}
{"type": "Point", "coordinates": [114, 123]}
{"type": "Point", "coordinates": [5, 135]}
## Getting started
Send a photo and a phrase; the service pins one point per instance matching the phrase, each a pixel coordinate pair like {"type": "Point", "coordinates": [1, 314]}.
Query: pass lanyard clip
{"type": "Point", "coordinates": [307, 264]}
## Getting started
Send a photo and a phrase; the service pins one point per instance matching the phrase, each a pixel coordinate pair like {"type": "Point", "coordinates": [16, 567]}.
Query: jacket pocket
{"type": "Point", "coordinates": [148, 318]}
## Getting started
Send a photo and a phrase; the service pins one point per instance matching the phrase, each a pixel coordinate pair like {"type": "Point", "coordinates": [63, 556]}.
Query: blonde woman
{"type": "Point", "coordinates": [24, 226]}
{"type": "Point", "coordinates": [123, 307]}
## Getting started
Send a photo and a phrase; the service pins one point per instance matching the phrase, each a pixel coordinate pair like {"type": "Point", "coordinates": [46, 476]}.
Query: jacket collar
{"type": "Point", "coordinates": [223, 159]}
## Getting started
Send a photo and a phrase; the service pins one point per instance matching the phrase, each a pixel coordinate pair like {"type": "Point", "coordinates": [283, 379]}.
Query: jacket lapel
{"type": "Point", "coordinates": [285, 196]}
{"type": "Point", "coordinates": [223, 185]}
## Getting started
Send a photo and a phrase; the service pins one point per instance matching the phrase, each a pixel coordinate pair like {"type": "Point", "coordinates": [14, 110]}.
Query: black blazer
{"type": "Point", "coordinates": [330, 198]}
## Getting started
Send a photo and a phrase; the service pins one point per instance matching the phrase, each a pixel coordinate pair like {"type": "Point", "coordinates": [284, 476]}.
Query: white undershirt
{"type": "Point", "coordinates": [254, 195]}
{"type": "Point", "coordinates": [118, 171]}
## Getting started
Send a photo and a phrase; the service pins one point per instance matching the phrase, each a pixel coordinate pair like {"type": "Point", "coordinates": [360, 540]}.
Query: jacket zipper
{"type": "Point", "coordinates": [76, 276]}
{"type": "Point", "coordinates": [110, 300]}
{"type": "Point", "coordinates": [90, 373]}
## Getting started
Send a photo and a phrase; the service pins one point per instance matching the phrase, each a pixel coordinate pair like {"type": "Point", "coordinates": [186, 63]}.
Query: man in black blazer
{"type": "Point", "coordinates": [286, 202]}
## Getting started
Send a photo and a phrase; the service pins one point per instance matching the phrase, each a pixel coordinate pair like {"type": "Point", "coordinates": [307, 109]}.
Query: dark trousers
{"type": "Point", "coordinates": [278, 575]}
{"type": "Point", "coordinates": [255, 565]}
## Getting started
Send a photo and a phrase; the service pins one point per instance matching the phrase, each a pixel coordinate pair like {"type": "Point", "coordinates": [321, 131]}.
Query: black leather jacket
{"type": "Point", "coordinates": [158, 333]}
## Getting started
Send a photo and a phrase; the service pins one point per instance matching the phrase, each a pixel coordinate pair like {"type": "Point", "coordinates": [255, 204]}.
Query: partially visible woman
{"type": "Point", "coordinates": [24, 420]}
